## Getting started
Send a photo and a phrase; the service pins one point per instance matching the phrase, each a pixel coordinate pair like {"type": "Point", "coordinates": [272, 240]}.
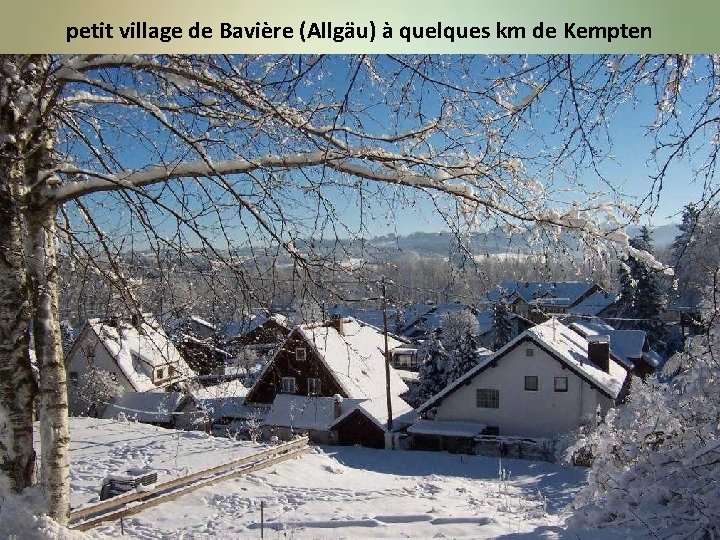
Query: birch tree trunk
{"type": "Point", "coordinates": [17, 385]}
{"type": "Point", "coordinates": [53, 409]}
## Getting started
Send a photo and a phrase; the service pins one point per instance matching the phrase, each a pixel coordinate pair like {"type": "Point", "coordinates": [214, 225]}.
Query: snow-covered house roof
{"type": "Point", "coordinates": [139, 349]}
{"type": "Point", "coordinates": [530, 291]}
{"type": "Point", "coordinates": [376, 410]}
{"type": "Point", "coordinates": [308, 412]}
{"type": "Point", "coordinates": [148, 407]}
{"type": "Point", "coordinates": [627, 346]}
{"type": "Point", "coordinates": [429, 320]}
{"type": "Point", "coordinates": [595, 304]}
{"type": "Point", "coordinates": [353, 353]}
{"type": "Point", "coordinates": [252, 322]}
{"type": "Point", "coordinates": [563, 343]}
{"type": "Point", "coordinates": [451, 428]}
{"type": "Point", "coordinates": [226, 400]}
{"type": "Point", "coordinates": [355, 357]}
{"type": "Point", "coordinates": [373, 317]}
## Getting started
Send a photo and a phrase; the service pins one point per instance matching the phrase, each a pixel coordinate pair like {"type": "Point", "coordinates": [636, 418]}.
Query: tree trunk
{"type": "Point", "coordinates": [17, 385]}
{"type": "Point", "coordinates": [53, 410]}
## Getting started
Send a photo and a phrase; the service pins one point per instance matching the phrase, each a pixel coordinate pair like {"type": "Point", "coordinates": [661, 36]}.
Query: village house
{"type": "Point", "coordinates": [203, 356]}
{"type": "Point", "coordinates": [256, 338]}
{"type": "Point", "coordinates": [426, 319]}
{"type": "Point", "coordinates": [192, 325]}
{"type": "Point", "coordinates": [537, 300]}
{"type": "Point", "coordinates": [331, 381]}
{"type": "Point", "coordinates": [545, 382]}
{"type": "Point", "coordinates": [138, 356]}
{"type": "Point", "coordinates": [598, 304]}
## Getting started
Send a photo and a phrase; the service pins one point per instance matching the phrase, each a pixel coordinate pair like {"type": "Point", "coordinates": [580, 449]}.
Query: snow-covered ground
{"type": "Point", "coordinates": [102, 447]}
{"type": "Point", "coordinates": [332, 492]}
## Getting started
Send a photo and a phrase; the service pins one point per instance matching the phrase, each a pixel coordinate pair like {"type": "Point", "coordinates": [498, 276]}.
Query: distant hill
{"type": "Point", "coordinates": [442, 244]}
{"type": "Point", "coordinates": [662, 236]}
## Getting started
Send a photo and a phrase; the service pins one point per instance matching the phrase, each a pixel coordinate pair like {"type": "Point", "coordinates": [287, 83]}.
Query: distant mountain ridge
{"type": "Point", "coordinates": [445, 244]}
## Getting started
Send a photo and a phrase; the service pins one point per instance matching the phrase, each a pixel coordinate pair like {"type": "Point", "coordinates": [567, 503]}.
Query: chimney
{"type": "Point", "coordinates": [337, 322]}
{"type": "Point", "coordinates": [337, 403]}
{"type": "Point", "coordinates": [599, 351]}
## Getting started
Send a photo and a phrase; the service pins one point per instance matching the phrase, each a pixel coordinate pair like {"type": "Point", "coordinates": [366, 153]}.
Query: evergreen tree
{"type": "Point", "coordinates": [431, 375]}
{"type": "Point", "coordinates": [695, 254]}
{"type": "Point", "coordinates": [502, 327]}
{"type": "Point", "coordinates": [459, 337]}
{"type": "Point", "coordinates": [641, 293]}
{"type": "Point", "coordinates": [462, 358]}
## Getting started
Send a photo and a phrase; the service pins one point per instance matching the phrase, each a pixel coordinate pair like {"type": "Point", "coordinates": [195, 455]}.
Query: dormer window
{"type": "Point", "coordinates": [300, 354]}
{"type": "Point", "coordinates": [160, 373]}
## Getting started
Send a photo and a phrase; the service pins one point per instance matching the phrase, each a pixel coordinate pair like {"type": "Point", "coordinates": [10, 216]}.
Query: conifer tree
{"type": "Point", "coordinates": [431, 374]}
{"type": "Point", "coordinates": [502, 326]}
{"type": "Point", "coordinates": [642, 299]}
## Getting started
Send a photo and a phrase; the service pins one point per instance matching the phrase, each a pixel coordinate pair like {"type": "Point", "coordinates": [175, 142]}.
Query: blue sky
{"type": "Point", "coordinates": [629, 168]}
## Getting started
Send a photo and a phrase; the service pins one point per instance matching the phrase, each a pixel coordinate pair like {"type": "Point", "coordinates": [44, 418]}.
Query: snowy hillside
{"type": "Point", "coordinates": [333, 492]}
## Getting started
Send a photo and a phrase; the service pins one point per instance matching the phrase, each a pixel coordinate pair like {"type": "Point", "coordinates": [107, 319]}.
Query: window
{"type": "Point", "coordinates": [531, 383]}
{"type": "Point", "coordinates": [403, 360]}
{"type": "Point", "coordinates": [561, 384]}
{"type": "Point", "coordinates": [313, 387]}
{"type": "Point", "coordinates": [300, 354]}
{"type": "Point", "coordinates": [74, 378]}
{"type": "Point", "coordinates": [488, 398]}
{"type": "Point", "coordinates": [160, 373]}
{"type": "Point", "coordinates": [529, 352]}
{"type": "Point", "coordinates": [288, 385]}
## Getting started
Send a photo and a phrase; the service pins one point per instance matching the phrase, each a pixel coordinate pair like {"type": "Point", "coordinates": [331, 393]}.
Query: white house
{"type": "Point", "coordinates": [139, 357]}
{"type": "Point", "coordinates": [544, 382]}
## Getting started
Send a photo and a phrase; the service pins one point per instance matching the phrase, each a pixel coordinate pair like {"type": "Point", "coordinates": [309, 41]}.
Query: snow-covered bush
{"type": "Point", "coordinates": [657, 457]}
{"type": "Point", "coordinates": [96, 390]}
{"type": "Point", "coordinates": [253, 428]}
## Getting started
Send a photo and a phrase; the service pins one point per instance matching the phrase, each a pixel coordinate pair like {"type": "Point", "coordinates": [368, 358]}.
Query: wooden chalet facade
{"type": "Point", "coordinates": [258, 339]}
{"type": "Point", "coordinates": [300, 362]}
{"type": "Point", "coordinates": [341, 359]}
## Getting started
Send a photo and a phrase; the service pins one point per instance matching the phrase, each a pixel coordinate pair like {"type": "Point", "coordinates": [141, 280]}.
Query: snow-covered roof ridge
{"type": "Point", "coordinates": [531, 290]}
{"type": "Point", "coordinates": [308, 412]}
{"type": "Point", "coordinates": [572, 348]}
{"type": "Point", "coordinates": [251, 322]}
{"type": "Point", "coordinates": [356, 357]}
{"type": "Point", "coordinates": [146, 343]}
{"type": "Point", "coordinates": [595, 303]}
{"type": "Point", "coordinates": [562, 342]}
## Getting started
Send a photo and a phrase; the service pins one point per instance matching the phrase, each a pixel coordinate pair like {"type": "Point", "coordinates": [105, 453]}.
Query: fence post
{"type": "Point", "coordinates": [262, 519]}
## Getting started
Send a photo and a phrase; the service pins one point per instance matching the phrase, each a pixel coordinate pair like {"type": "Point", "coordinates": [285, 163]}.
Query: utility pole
{"type": "Point", "coordinates": [387, 358]}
